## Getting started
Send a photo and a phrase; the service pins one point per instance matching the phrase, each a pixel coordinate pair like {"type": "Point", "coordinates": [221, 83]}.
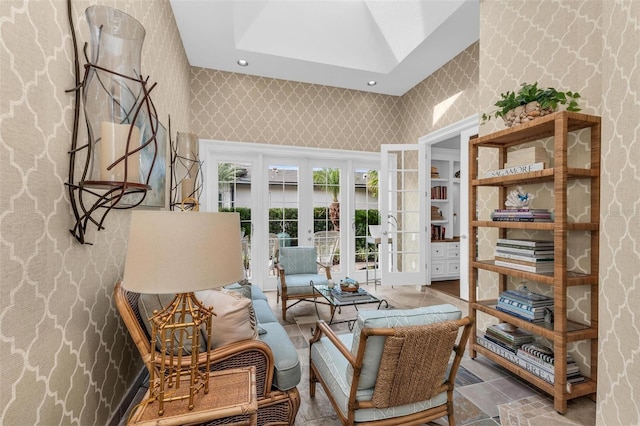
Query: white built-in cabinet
{"type": "Point", "coordinates": [443, 213]}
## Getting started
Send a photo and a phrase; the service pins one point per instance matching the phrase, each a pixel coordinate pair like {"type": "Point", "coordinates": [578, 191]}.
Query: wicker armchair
{"type": "Point", "coordinates": [392, 375]}
{"type": "Point", "coordinates": [274, 406]}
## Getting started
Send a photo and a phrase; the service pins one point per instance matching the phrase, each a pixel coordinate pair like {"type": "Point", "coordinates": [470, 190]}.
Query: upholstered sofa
{"type": "Point", "coordinates": [269, 349]}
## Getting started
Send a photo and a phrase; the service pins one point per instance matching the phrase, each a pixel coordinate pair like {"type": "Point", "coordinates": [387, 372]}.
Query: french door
{"type": "Point", "coordinates": [284, 196]}
{"type": "Point", "coordinates": [403, 246]}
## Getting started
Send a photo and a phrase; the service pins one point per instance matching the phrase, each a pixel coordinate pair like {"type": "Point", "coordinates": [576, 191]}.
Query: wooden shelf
{"type": "Point", "coordinates": [575, 330]}
{"type": "Point", "coordinates": [540, 128]}
{"type": "Point", "coordinates": [577, 390]}
{"type": "Point", "coordinates": [555, 126]}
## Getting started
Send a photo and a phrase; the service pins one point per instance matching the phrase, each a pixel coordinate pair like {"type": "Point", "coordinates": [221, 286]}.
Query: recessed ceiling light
{"type": "Point", "coordinates": [372, 83]}
{"type": "Point", "coordinates": [242, 62]}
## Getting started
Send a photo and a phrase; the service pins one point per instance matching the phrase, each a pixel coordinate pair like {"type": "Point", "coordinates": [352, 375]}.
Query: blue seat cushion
{"type": "Point", "coordinates": [287, 372]}
{"type": "Point", "coordinates": [301, 283]}
{"type": "Point", "coordinates": [263, 312]}
{"type": "Point", "coordinates": [333, 366]}
{"type": "Point", "coordinates": [390, 319]}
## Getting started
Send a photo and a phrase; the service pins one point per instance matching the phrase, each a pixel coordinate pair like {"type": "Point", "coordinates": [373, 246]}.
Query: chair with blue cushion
{"type": "Point", "coordinates": [297, 268]}
{"type": "Point", "coordinates": [394, 369]}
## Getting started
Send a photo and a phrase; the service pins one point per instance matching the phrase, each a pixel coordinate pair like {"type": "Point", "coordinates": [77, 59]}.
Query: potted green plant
{"type": "Point", "coordinates": [531, 102]}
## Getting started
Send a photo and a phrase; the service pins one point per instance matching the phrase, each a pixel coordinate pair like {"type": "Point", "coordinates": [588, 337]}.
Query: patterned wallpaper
{"type": "Point", "coordinates": [66, 357]}
{"type": "Point", "coordinates": [445, 97]}
{"type": "Point", "coordinates": [591, 47]}
{"type": "Point", "coordinates": [238, 107]}
{"type": "Point", "coordinates": [619, 368]}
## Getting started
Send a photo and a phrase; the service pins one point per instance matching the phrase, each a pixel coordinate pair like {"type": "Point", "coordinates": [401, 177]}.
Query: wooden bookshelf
{"type": "Point", "coordinates": [562, 331]}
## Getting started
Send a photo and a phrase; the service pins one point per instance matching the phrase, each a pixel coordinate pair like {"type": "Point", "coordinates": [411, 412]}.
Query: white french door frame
{"type": "Point", "coordinates": [260, 156]}
{"type": "Point", "coordinates": [465, 129]}
{"type": "Point", "coordinates": [391, 250]}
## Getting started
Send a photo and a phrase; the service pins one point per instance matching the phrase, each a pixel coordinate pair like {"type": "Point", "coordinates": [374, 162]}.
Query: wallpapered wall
{"type": "Point", "coordinates": [591, 47]}
{"type": "Point", "coordinates": [236, 107]}
{"type": "Point", "coordinates": [66, 358]}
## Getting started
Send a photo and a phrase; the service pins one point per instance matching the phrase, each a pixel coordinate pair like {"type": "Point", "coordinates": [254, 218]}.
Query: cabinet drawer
{"type": "Point", "coordinates": [453, 254]}
{"type": "Point", "coordinates": [453, 268]}
{"type": "Point", "coordinates": [437, 250]}
{"type": "Point", "coordinates": [437, 268]}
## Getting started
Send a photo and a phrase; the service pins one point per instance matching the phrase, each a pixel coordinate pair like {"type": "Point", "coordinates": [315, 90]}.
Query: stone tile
{"type": "Point", "coordinates": [484, 422]}
{"type": "Point", "coordinates": [465, 377]}
{"type": "Point", "coordinates": [484, 369]}
{"type": "Point", "coordinates": [512, 387]}
{"type": "Point", "coordinates": [484, 397]}
{"type": "Point", "coordinates": [465, 411]}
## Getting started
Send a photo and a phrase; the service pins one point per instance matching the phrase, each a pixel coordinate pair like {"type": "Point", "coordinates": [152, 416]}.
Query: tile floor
{"type": "Point", "coordinates": [485, 394]}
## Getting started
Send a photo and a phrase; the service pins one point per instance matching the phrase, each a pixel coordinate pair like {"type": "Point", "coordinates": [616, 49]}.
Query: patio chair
{"type": "Point", "coordinates": [297, 268]}
{"type": "Point", "coordinates": [326, 244]}
{"type": "Point", "coordinates": [394, 368]}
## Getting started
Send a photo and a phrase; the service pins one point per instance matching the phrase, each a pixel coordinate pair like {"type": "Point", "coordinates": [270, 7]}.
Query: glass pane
{"type": "Point", "coordinates": [234, 195]}
{"type": "Point", "coordinates": [283, 203]}
{"type": "Point", "coordinates": [367, 212]}
{"type": "Point", "coordinates": [326, 215]}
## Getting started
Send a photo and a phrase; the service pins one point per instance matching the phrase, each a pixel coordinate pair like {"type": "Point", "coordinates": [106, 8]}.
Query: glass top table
{"type": "Point", "coordinates": [323, 295]}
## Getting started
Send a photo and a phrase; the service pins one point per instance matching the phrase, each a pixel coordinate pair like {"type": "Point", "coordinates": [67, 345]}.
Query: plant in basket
{"type": "Point", "coordinates": [531, 102]}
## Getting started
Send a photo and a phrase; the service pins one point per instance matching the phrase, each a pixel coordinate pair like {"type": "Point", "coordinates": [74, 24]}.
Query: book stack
{"type": "Point", "coordinates": [525, 304]}
{"type": "Point", "coordinates": [515, 170]}
{"type": "Point", "coordinates": [508, 336]}
{"type": "Point", "coordinates": [523, 156]}
{"type": "Point", "coordinates": [436, 214]}
{"type": "Point", "coordinates": [542, 357]}
{"type": "Point", "coordinates": [521, 215]}
{"type": "Point", "coordinates": [434, 172]}
{"type": "Point", "coordinates": [349, 296]}
{"type": "Point", "coordinates": [541, 364]}
{"type": "Point", "coordinates": [438, 232]}
{"type": "Point", "coordinates": [439, 192]}
{"type": "Point", "coordinates": [525, 255]}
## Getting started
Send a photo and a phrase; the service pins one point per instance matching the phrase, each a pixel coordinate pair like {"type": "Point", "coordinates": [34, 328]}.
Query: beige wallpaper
{"type": "Point", "coordinates": [619, 369]}
{"type": "Point", "coordinates": [591, 47]}
{"type": "Point", "coordinates": [65, 356]}
{"type": "Point", "coordinates": [447, 96]}
{"type": "Point", "coordinates": [237, 107]}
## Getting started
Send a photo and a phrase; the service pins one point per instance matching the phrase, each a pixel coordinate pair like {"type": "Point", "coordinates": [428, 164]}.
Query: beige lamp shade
{"type": "Point", "coordinates": [178, 252]}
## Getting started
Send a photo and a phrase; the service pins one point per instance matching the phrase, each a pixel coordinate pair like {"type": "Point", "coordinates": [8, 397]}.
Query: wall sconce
{"type": "Point", "coordinates": [186, 172]}
{"type": "Point", "coordinates": [120, 117]}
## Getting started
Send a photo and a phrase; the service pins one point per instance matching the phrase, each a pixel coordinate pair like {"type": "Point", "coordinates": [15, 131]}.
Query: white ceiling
{"type": "Point", "coordinates": [340, 43]}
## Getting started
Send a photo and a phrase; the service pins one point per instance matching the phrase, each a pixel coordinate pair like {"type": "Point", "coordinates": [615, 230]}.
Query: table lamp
{"type": "Point", "coordinates": [175, 252]}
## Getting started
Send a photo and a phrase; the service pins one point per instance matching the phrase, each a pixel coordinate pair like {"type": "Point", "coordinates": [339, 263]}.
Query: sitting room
{"type": "Point", "coordinates": [332, 86]}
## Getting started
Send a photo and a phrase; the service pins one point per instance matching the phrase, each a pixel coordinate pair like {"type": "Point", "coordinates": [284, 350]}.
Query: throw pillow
{"type": "Point", "coordinates": [243, 287]}
{"type": "Point", "coordinates": [235, 319]}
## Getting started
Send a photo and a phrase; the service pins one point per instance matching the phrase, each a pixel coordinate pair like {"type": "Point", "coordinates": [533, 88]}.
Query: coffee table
{"type": "Point", "coordinates": [328, 298]}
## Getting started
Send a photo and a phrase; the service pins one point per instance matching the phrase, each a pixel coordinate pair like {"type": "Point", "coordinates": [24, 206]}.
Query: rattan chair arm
{"type": "Point", "coordinates": [323, 328]}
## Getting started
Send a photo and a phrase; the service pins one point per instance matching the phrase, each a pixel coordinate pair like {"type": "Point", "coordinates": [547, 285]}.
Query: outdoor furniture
{"type": "Point", "coordinates": [394, 368]}
{"type": "Point", "coordinates": [326, 244]}
{"type": "Point", "coordinates": [297, 269]}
